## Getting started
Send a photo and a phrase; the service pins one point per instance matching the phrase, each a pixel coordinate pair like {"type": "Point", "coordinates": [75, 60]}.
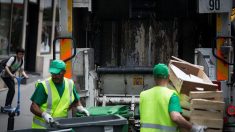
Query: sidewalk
{"type": "Point", "coordinates": [25, 119]}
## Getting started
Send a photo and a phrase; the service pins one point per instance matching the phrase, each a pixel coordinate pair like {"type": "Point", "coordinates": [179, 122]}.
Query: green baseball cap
{"type": "Point", "coordinates": [57, 66]}
{"type": "Point", "coordinates": [160, 71]}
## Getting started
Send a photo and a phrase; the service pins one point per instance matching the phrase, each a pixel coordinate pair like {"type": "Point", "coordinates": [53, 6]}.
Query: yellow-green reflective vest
{"type": "Point", "coordinates": [56, 106]}
{"type": "Point", "coordinates": [154, 115]}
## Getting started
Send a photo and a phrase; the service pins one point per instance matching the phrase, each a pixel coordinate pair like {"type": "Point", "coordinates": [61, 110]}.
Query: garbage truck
{"type": "Point", "coordinates": [119, 41]}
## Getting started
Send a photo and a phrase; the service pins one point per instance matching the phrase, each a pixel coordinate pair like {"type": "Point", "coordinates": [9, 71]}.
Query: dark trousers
{"type": "Point", "coordinates": [11, 92]}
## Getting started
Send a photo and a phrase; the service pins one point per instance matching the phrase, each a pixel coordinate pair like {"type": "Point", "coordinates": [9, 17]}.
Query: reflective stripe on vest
{"type": "Point", "coordinates": [49, 98]}
{"type": "Point", "coordinates": [157, 126]}
{"type": "Point", "coordinates": [70, 90]}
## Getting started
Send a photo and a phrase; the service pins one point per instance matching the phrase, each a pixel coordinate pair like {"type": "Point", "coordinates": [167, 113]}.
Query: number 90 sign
{"type": "Point", "coordinates": [214, 6]}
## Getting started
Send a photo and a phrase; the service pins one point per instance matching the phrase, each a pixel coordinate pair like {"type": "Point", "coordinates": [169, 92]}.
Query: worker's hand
{"type": "Point", "coordinates": [47, 117]}
{"type": "Point", "coordinates": [81, 109]}
{"type": "Point", "coordinates": [198, 128]}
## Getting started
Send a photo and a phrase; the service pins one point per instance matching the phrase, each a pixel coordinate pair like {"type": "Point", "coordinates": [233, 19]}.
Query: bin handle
{"type": "Point", "coordinates": [54, 124]}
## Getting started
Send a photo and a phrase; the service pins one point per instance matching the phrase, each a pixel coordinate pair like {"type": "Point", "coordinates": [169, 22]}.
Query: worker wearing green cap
{"type": "Point", "coordinates": [53, 97]}
{"type": "Point", "coordinates": [160, 108]}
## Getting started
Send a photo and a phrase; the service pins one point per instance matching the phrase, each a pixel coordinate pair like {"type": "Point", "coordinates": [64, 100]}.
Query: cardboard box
{"type": "Point", "coordinates": [205, 108]}
{"type": "Point", "coordinates": [188, 77]}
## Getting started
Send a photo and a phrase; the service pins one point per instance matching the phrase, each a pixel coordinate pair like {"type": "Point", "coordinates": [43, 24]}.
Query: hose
{"type": "Point", "coordinates": [223, 60]}
{"type": "Point", "coordinates": [219, 58]}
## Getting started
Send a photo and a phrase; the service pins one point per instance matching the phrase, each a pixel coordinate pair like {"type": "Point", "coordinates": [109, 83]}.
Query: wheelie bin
{"type": "Point", "coordinates": [107, 123]}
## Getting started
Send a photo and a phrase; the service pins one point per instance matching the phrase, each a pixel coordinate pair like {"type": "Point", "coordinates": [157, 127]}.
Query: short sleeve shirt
{"type": "Point", "coordinates": [174, 104]}
{"type": "Point", "coordinates": [40, 96]}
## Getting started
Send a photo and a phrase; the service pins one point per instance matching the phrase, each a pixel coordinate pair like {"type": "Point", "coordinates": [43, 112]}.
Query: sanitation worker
{"type": "Point", "coordinates": [160, 109]}
{"type": "Point", "coordinates": [54, 97]}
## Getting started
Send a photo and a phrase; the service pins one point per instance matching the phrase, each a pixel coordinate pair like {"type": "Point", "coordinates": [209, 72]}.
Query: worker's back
{"type": "Point", "coordinates": [154, 113]}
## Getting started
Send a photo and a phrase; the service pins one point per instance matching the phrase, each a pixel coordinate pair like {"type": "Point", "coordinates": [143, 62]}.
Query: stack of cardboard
{"type": "Point", "coordinates": [201, 102]}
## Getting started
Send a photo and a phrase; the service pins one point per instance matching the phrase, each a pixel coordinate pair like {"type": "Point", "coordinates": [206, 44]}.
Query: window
{"type": "Point", "coordinates": [46, 27]}
{"type": "Point", "coordinates": [17, 25]}
{"type": "Point", "coordinates": [57, 28]}
{"type": "Point", "coordinates": [11, 23]}
{"type": "Point", "coordinates": [5, 15]}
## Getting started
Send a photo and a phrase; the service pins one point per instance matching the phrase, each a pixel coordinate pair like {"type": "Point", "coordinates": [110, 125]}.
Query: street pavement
{"type": "Point", "coordinates": [24, 120]}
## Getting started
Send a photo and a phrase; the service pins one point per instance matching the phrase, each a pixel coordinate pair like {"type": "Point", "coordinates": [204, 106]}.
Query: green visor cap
{"type": "Point", "coordinates": [57, 66]}
{"type": "Point", "coordinates": [161, 71]}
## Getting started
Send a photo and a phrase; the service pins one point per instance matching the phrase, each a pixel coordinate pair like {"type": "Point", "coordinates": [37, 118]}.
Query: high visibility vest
{"type": "Point", "coordinates": [56, 106]}
{"type": "Point", "coordinates": [154, 115]}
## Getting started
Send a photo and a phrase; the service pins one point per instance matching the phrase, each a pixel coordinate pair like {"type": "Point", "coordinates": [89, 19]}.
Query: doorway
{"type": "Point", "coordinates": [31, 36]}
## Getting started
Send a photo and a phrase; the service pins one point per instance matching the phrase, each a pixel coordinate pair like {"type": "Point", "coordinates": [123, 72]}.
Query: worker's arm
{"type": "Point", "coordinates": [35, 109]}
{"type": "Point", "coordinates": [180, 121]}
{"type": "Point", "coordinates": [184, 124]}
{"type": "Point", "coordinates": [175, 113]}
{"type": "Point", "coordinates": [77, 104]}
{"type": "Point", "coordinates": [38, 98]}
{"type": "Point", "coordinates": [76, 101]}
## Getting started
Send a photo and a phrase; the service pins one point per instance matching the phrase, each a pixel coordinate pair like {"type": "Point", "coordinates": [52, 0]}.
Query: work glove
{"type": "Point", "coordinates": [47, 117]}
{"type": "Point", "coordinates": [81, 109]}
{"type": "Point", "coordinates": [198, 128]}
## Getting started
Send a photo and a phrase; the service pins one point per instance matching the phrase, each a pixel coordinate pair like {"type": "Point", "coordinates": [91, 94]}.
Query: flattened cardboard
{"type": "Point", "coordinates": [184, 86]}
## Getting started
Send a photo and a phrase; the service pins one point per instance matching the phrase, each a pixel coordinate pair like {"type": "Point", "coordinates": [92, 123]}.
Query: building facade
{"type": "Point", "coordinates": [29, 24]}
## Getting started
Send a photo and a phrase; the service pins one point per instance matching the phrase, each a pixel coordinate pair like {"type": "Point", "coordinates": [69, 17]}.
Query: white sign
{"type": "Point", "coordinates": [214, 6]}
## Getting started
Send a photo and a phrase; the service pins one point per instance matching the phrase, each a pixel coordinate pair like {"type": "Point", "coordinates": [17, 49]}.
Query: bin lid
{"type": "Point", "coordinates": [108, 120]}
{"type": "Point", "coordinates": [41, 130]}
